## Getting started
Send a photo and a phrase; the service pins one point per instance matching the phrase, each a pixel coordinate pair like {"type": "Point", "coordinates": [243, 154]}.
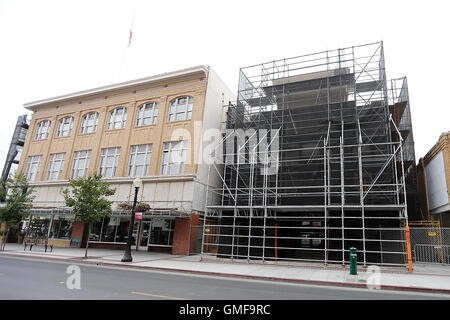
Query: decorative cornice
{"type": "Point", "coordinates": [123, 85]}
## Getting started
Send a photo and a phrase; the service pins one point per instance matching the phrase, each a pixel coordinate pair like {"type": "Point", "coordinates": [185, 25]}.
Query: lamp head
{"type": "Point", "coordinates": [137, 183]}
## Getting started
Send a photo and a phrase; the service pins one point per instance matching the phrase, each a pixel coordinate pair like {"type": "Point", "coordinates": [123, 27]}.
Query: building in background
{"type": "Point", "coordinates": [15, 147]}
{"type": "Point", "coordinates": [434, 182]}
{"type": "Point", "coordinates": [321, 160]}
{"type": "Point", "coordinates": [150, 127]}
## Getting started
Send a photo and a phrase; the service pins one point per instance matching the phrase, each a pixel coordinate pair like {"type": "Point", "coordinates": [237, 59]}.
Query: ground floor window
{"type": "Point", "coordinates": [38, 226]}
{"type": "Point", "coordinates": [114, 229]}
{"type": "Point", "coordinates": [61, 228]}
{"type": "Point", "coordinates": [53, 226]}
{"type": "Point", "coordinates": [161, 232]}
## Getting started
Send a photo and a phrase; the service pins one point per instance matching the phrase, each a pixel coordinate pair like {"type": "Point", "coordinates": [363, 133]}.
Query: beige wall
{"type": "Point", "coordinates": [103, 138]}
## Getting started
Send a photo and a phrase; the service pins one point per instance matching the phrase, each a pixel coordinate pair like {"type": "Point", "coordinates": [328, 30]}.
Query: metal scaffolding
{"type": "Point", "coordinates": [312, 162]}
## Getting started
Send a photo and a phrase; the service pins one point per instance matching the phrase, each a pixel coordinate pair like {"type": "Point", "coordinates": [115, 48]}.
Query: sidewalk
{"type": "Point", "coordinates": [425, 278]}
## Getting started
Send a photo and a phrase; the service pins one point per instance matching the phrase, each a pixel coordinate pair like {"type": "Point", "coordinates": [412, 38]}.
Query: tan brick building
{"type": "Point", "coordinates": [150, 127]}
{"type": "Point", "coordinates": [433, 173]}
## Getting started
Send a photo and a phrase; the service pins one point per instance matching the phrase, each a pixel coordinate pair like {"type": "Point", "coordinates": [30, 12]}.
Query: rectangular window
{"type": "Point", "coordinates": [80, 164]}
{"type": "Point", "coordinates": [109, 160]}
{"type": "Point", "coordinates": [61, 228]}
{"type": "Point", "coordinates": [139, 160]}
{"type": "Point", "coordinates": [161, 233]}
{"type": "Point", "coordinates": [113, 229]}
{"type": "Point", "coordinates": [174, 157]}
{"type": "Point", "coordinates": [55, 166]}
{"type": "Point", "coordinates": [33, 166]}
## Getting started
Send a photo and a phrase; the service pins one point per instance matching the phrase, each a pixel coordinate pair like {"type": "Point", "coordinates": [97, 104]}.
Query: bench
{"type": "Point", "coordinates": [37, 242]}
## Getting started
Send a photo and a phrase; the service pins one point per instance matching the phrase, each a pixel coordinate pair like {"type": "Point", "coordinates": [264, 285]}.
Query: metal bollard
{"type": "Point", "coordinates": [353, 260]}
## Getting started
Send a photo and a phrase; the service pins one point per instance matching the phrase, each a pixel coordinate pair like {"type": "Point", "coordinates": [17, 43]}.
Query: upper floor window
{"type": "Point", "coordinates": [89, 123]}
{"type": "Point", "coordinates": [55, 166]}
{"type": "Point", "coordinates": [181, 108]}
{"type": "Point", "coordinates": [80, 164]}
{"type": "Point", "coordinates": [32, 169]}
{"type": "Point", "coordinates": [174, 157]}
{"type": "Point", "coordinates": [139, 160]}
{"type": "Point", "coordinates": [43, 129]}
{"type": "Point", "coordinates": [109, 160]}
{"type": "Point", "coordinates": [147, 114]}
{"type": "Point", "coordinates": [64, 127]}
{"type": "Point", "coordinates": [117, 118]}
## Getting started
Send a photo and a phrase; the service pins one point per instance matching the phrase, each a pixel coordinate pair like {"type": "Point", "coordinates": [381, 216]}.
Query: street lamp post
{"type": "Point", "coordinates": [137, 184]}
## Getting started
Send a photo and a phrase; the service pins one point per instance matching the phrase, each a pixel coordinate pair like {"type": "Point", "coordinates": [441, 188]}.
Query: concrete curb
{"type": "Point", "coordinates": [230, 275]}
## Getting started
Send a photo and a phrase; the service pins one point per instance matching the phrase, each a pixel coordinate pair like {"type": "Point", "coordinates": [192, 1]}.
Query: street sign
{"type": "Point", "coordinates": [138, 215]}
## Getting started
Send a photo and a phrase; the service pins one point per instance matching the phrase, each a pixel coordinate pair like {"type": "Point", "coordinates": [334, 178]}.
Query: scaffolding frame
{"type": "Point", "coordinates": [324, 122]}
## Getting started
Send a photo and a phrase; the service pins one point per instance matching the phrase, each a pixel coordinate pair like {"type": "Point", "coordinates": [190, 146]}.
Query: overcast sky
{"type": "Point", "coordinates": [50, 48]}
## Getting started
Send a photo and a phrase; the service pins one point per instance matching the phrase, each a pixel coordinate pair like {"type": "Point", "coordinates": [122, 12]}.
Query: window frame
{"type": "Point", "coordinates": [40, 126]}
{"type": "Point", "coordinates": [75, 163]}
{"type": "Point", "coordinates": [85, 125]}
{"type": "Point", "coordinates": [104, 157]}
{"type": "Point", "coordinates": [112, 120]}
{"type": "Point", "coordinates": [51, 164]}
{"type": "Point", "coordinates": [61, 123]}
{"type": "Point", "coordinates": [140, 115]}
{"type": "Point", "coordinates": [174, 106]}
{"type": "Point", "coordinates": [169, 149]}
{"type": "Point", "coordinates": [32, 160]}
{"type": "Point", "coordinates": [132, 161]}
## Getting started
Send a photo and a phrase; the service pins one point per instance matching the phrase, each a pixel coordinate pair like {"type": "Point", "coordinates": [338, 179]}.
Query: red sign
{"type": "Point", "coordinates": [138, 215]}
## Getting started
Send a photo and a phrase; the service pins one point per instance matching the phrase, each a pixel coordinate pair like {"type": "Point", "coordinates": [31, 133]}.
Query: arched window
{"type": "Point", "coordinates": [64, 127]}
{"type": "Point", "coordinates": [89, 123]}
{"type": "Point", "coordinates": [181, 108]}
{"type": "Point", "coordinates": [147, 114]}
{"type": "Point", "coordinates": [117, 118]}
{"type": "Point", "coordinates": [43, 128]}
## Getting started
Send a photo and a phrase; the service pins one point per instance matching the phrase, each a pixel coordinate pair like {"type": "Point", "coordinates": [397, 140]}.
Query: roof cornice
{"type": "Point", "coordinates": [116, 86]}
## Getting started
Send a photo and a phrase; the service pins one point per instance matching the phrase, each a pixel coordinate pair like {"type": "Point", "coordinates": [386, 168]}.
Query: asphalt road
{"type": "Point", "coordinates": [22, 278]}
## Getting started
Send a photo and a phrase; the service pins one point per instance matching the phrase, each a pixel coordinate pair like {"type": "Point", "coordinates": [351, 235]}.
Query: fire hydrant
{"type": "Point", "coordinates": [353, 260]}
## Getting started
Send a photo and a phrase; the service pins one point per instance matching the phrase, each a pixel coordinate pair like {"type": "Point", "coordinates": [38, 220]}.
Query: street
{"type": "Point", "coordinates": [22, 278]}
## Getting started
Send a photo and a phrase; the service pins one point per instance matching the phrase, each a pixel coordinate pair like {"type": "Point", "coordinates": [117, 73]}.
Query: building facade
{"type": "Point", "coordinates": [152, 128]}
{"type": "Point", "coordinates": [434, 182]}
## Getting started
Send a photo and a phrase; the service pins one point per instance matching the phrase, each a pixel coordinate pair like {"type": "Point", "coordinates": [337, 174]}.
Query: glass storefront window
{"type": "Point", "coordinates": [39, 226]}
{"type": "Point", "coordinates": [157, 231]}
{"type": "Point", "coordinates": [161, 232]}
{"type": "Point", "coordinates": [96, 231]}
{"type": "Point", "coordinates": [61, 228]}
{"type": "Point", "coordinates": [109, 229]}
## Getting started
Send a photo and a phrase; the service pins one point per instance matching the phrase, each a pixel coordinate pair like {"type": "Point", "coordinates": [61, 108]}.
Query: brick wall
{"type": "Point", "coordinates": [78, 231]}
{"type": "Point", "coordinates": [181, 233]}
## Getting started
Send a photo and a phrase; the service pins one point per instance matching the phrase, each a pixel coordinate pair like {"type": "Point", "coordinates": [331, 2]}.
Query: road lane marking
{"type": "Point", "coordinates": [157, 296]}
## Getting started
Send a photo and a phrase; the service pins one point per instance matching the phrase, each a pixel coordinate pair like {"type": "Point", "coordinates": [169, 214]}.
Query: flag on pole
{"type": "Point", "coordinates": [131, 30]}
{"type": "Point", "coordinates": [131, 35]}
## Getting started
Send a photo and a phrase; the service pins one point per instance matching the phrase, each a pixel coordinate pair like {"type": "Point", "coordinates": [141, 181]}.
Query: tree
{"type": "Point", "coordinates": [88, 200]}
{"type": "Point", "coordinates": [18, 198]}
